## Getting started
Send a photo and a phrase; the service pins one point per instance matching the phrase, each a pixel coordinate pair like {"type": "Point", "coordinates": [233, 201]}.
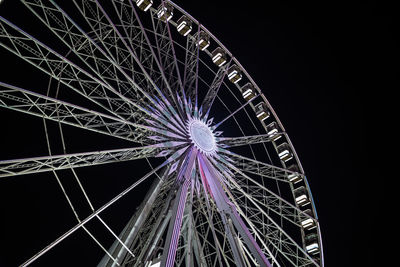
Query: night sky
{"type": "Point", "coordinates": [312, 61]}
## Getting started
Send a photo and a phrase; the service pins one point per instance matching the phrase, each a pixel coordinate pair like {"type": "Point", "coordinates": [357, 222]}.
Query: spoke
{"type": "Point", "coordinates": [141, 46]}
{"type": "Point", "coordinates": [50, 62]}
{"type": "Point", "coordinates": [86, 48]}
{"type": "Point", "coordinates": [258, 198]}
{"type": "Point", "coordinates": [218, 189]}
{"type": "Point", "coordinates": [267, 198]}
{"type": "Point", "coordinates": [264, 196]}
{"type": "Point", "coordinates": [59, 162]}
{"type": "Point", "coordinates": [94, 214]}
{"type": "Point", "coordinates": [214, 88]}
{"type": "Point", "coordinates": [273, 234]}
{"type": "Point", "coordinates": [246, 140]}
{"type": "Point", "coordinates": [236, 161]}
{"type": "Point", "coordinates": [114, 42]}
{"type": "Point", "coordinates": [231, 114]}
{"type": "Point", "coordinates": [166, 54]}
{"type": "Point", "coordinates": [156, 199]}
{"type": "Point", "coordinates": [21, 100]}
{"type": "Point", "coordinates": [190, 80]}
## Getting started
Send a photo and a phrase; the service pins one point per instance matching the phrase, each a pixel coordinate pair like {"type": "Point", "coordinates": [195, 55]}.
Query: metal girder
{"type": "Point", "coordinates": [214, 88]}
{"type": "Point", "coordinates": [236, 161]}
{"type": "Point", "coordinates": [60, 68]}
{"type": "Point", "coordinates": [59, 162]}
{"type": "Point", "coordinates": [244, 140]}
{"type": "Point", "coordinates": [230, 217]}
{"type": "Point", "coordinates": [166, 54]}
{"type": "Point", "coordinates": [270, 231]}
{"type": "Point", "coordinates": [116, 44]}
{"type": "Point", "coordinates": [83, 46]}
{"type": "Point", "coordinates": [21, 100]}
{"type": "Point", "coordinates": [190, 77]}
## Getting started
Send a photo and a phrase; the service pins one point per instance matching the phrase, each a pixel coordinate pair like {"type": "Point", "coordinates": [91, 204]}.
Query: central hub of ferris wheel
{"type": "Point", "coordinates": [202, 136]}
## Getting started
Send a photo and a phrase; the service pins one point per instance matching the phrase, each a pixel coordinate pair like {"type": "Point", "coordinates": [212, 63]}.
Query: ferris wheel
{"type": "Point", "coordinates": [223, 183]}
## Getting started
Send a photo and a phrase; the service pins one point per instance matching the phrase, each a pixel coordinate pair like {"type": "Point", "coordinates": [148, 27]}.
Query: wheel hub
{"type": "Point", "coordinates": [202, 136]}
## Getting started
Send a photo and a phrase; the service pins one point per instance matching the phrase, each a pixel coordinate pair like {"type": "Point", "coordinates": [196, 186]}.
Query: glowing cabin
{"type": "Point", "coordinates": [218, 56]}
{"type": "Point", "coordinates": [308, 223]}
{"type": "Point", "coordinates": [312, 246]}
{"type": "Point", "coordinates": [262, 112]}
{"type": "Point", "coordinates": [165, 12]}
{"type": "Point", "coordinates": [284, 152]}
{"type": "Point", "coordinates": [295, 176]}
{"type": "Point", "coordinates": [300, 196]}
{"type": "Point", "coordinates": [272, 131]}
{"type": "Point", "coordinates": [144, 4]}
{"type": "Point", "coordinates": [234, 74]}
{"type": "Point", "coordinates": [247, 91]}
{"type": "Point", "coordinates": [184, 25]}
{"type": "Point", "coordinates": [203, 41]}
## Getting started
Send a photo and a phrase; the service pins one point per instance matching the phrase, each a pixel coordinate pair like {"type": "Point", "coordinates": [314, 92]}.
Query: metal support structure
{"type": "Point", "coordinates": [134, 71]}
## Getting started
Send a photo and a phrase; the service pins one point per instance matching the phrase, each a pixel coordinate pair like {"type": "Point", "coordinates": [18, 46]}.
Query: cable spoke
{"type": "Point", "coordinates": [231, 114]}
{"type": "Point", "coordinates": [94, 214]}
{"type": "Point", "coordinates": [21, 100]}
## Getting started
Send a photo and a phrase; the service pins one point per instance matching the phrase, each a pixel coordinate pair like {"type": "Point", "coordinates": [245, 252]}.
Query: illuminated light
{"type": "Point", "coordinates": [202, 48]}
{"type": "Point", "coordinates": [222, 63]}
{"type": "Point", "coordinates": [180, 26]}
{"type": "Point", "coordinates": [301, 199]}
{"type": "Point", "coordinates": [307, 223]}
{"type": "Point", "coordinates": [285, 155]}
{"type": "Point", "coordinates": [232, 74]}
{"type": "Point", "coordinates": [312, 248]}
{"type": "Point", "coordinates": [260, 114]}
{"type": "Point", "coordinates": [162, 12]}
{"type": "Point", "coordinates": [294, 177]}
{"type": "Point", "coordinates": [188, 31]}
{"type": "Point", "coordinates": [156, 264]}
{"type": "Point", "coordinates": [216, 57]}
{"type": "Point", "coordinates": [247, 93]}
{"type": "Point", "coordinates": [144, 4]}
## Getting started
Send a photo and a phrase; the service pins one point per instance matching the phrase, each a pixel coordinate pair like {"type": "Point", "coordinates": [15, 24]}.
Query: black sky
{"type": "Point", "coordinates": [314, 62]}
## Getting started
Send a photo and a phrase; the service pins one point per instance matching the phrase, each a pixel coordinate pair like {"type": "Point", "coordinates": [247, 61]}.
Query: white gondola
{"type": "Point", "coordinates": [165, 12]}
{"type": "Point", "coordinates": [204, 41]}
{"type": "Point", "coordinates": [295, 176]}
{"type": "Point", "coordinates": [262, 112]}
{"type": "Point", "coordinates": [301, 197]}
{"type": "Point", "coordinates": [312, 246]}
{"type": "Point", "coordinates": [284, 152]}
{"type": "Point", "coordinates": [247, 91]}
{"type": "Point", "coordinates": [218, 56]}
{"type": "Point", "coordinates": [184, 25]}
{"type": "Point", "coordinates": [272, 131]}
{"type": "Point", "coordinates": [308, 223]}
{"type": "Point", "coordinates": [144, 4]}
{"type": "Point", "coordinates": [234, 74]}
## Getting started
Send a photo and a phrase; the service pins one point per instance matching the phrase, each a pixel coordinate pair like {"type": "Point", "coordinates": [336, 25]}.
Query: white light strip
{"type": "Point", "coordinates": [216, 57]}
